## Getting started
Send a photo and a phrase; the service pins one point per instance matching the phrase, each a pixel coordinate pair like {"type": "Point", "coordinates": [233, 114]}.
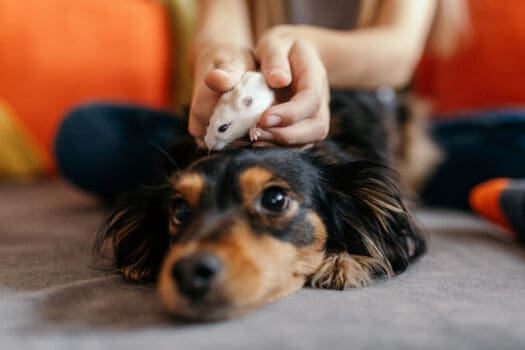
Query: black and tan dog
{"type": "Point", "coordinates": [237, 229]}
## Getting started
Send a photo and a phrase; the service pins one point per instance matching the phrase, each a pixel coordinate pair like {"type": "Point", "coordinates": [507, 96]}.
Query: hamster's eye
{"type": "Point", "coordinates": [224, 127]}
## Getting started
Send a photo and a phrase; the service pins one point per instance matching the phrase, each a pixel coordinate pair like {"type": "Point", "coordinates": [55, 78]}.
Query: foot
{"type": "Point", "coordinates": [255, 133]}
{"type": "Point", "coordinates": [501, 201]}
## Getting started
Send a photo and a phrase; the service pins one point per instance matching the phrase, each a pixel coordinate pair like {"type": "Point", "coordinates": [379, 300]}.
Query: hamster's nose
{"type": "Point", "coordinates": [195, 274]}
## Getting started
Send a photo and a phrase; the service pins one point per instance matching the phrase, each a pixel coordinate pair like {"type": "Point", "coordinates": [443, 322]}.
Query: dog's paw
{"type": "Point", "coordinates": [342, 271]}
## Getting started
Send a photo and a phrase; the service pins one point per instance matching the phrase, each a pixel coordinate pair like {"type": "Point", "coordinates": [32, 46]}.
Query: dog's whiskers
{"type": "Point", "coordinates": [166, 154]}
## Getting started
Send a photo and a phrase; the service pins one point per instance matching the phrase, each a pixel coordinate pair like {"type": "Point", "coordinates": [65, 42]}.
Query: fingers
{"type": "Point", "coordinates": [273, 57]}
{"type": "Point", "coordinates": [220, 80]}
{"type": "Point", "coordinates": [305, 117]}
{"type": "Point", "coordinates": [200, 143]}
{"type": "Point", "coordinates": [302, 105]}
{"type": "Point", "coordinates": [306, 131]}
{"type": "Point", "coordinates": [309, 77]}
{"type": "Point", "coordinates": [202, 106]}
{"type": "Point", "coordinates": [226, 75]}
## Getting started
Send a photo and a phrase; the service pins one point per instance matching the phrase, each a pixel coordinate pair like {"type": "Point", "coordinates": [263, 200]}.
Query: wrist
{"type": "Point", "coordinates": [307, 34]}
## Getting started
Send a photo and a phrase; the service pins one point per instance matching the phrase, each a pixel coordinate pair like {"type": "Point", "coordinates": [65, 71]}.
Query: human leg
{"type": "Point", "coordinates": [478, 148]}
{"type": "Point", "coordinates": [106, 149]}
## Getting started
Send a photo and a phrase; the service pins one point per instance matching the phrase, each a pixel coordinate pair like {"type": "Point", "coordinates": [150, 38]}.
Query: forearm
{"type": "Point", "coordinates": [385, 54]}
{"type": "Point", "coordinates": [223, 21]}
{"type": "Point", "coordinates": [367, 58]}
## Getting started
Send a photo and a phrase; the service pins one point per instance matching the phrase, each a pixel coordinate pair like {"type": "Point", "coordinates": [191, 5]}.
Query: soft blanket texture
{"type": "Point", "coordinates": [467, 292]}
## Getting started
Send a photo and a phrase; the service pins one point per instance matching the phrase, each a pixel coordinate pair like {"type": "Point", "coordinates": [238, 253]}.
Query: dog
{"type": "Point", "coordinates": [238, 229]}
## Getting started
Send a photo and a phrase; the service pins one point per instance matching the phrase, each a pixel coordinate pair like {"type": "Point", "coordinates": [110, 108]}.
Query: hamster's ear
{"type": "Point", "coordinates": [137, 232]}
{"type": "Point", "coordinates": [247, 101]}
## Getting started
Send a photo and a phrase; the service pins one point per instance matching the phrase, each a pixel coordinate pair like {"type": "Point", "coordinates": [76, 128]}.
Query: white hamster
{"type": "Point", "coordinates": [238, 111]}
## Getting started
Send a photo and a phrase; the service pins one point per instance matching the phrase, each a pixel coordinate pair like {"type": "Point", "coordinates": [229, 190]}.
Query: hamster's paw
{"type": "Point", "coordinates": [255, 133]}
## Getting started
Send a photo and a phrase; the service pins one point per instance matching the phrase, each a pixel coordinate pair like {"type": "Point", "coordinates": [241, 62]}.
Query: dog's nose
{"type": "Point", "coordinates": [195, 274]}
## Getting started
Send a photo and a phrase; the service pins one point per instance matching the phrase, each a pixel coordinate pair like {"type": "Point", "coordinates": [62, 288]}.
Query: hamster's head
{"type": "Point", "coordinates": [238, 110]}
{"type": "Point", "coordinates": [223, 126]}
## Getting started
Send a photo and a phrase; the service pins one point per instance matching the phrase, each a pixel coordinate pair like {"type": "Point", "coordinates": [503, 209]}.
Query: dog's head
{"type": "Point", "coordinates": [236, 230]}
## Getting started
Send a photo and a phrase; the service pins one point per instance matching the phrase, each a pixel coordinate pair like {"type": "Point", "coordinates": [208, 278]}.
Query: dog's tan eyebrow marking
{"type": "Point", "coordinates": [252, 181]}
{"type": "Point", "coordinates": [190, 185]}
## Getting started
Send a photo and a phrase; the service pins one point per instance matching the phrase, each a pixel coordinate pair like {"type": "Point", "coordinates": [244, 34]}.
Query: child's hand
{"type": "Point", "coordinates": [305, 118]}
{"type": "Point", "coordinates": [218, 68]}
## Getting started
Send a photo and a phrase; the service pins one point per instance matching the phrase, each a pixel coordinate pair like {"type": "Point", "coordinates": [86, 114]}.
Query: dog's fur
{"type": "Point", "coordinates": [274, 220]}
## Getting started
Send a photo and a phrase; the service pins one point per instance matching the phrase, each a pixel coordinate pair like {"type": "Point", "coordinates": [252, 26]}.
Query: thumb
{"type": "Point", "coordinates": [227, 74]}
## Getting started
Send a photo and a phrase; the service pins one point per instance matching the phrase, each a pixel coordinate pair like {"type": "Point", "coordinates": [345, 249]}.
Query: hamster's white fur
{"type": "Point", "coordinates": [238, 111]}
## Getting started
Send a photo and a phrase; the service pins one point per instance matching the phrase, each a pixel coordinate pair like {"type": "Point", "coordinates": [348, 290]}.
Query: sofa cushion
{"type": "Point", "coordinates": [59, 53]}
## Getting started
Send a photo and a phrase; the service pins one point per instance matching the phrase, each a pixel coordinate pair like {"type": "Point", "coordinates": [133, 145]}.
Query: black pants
{"type": "Point", "coordinates": [106, 149]}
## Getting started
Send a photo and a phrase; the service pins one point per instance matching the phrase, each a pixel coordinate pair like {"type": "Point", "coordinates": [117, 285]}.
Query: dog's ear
{"type": "Point", "coordinates": [137, 231]}
{"type": "Point", "coordinates": [369, 217]}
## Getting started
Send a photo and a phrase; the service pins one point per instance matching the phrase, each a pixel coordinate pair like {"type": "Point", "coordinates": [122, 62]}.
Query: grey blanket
{"type": "Point", "coordinates": [468, 292]}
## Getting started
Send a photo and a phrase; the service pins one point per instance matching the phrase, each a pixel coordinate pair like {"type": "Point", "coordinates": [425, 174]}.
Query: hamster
{"type": "Point", "coordinates": [238, 111]}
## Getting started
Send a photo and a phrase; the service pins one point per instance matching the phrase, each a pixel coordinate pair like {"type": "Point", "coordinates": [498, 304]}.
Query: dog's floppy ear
{"type": "Point", "coordinates": [369, 217]}
{"type": "Point", "coordinates": [137, 230]}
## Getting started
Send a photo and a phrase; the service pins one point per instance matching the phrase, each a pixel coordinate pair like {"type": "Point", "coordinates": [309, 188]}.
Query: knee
{"type": "Point", "coordinates": [85, 147]}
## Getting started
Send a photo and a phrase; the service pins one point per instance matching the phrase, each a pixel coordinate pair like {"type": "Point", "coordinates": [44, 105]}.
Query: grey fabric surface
{"type": "Point", "coordinates": [466, 293]}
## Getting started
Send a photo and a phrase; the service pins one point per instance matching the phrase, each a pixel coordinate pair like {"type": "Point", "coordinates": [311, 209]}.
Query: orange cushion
{"type": "Point", "coordinates": [58, 53]}
{"type": "Point", "coordinates": [488, 69]}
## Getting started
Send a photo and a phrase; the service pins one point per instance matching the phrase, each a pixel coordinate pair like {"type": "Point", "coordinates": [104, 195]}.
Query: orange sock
{"type": "Point", "coordinates": [485, 200]}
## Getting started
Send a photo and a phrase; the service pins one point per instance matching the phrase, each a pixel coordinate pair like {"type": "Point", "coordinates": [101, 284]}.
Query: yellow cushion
{"type": "Point", "coordinates": [19, 156]}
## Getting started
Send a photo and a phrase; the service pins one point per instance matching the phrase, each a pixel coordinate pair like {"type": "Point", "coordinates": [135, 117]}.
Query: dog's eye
{"type": "Point", "coordinates": [180, 211]}
{"type": "Point", "coordinates": [275, 200]}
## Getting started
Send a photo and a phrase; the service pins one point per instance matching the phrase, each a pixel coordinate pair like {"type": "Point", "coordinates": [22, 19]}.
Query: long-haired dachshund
{"type": "Point", "coordinates": [238, 229]}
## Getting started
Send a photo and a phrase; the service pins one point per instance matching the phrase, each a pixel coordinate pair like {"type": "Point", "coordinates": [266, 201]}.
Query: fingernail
{"type": "Point", "coordinates": [200, 143]}
{"type": "Point", "coordinates": [279, 77]}
{"type": "Point", "coordinates": [272, 121]}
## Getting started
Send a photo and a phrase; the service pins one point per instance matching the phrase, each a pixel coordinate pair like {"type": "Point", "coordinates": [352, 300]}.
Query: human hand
{"type": "Point", "coordinates": [218, 68]}
{"type": "Point", "coordinates": [288, 61]}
